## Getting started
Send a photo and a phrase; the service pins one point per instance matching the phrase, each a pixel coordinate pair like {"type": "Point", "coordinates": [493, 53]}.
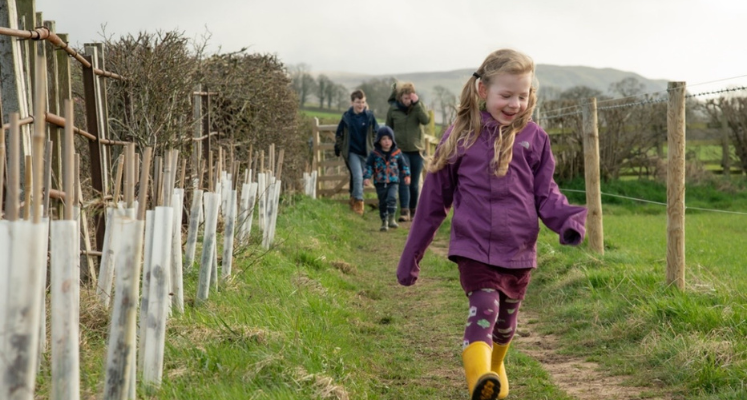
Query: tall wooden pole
{"type": "Point", "coordinates": [594, 227]}
{"type": "Point", "coordinates": [68, 166]}
{"type": "Point", "coordinates": [55, 107]}
{"type": "Point", "coordinates": [97, 169]}
{"type": "Point", "coordinates": [13, 88]}
{"type": "Point", "coordinates": [676, 185]}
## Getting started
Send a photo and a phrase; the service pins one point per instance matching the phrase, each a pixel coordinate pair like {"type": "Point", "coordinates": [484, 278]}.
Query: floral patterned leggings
{"type": "Point", "coordinates": [492, 317]}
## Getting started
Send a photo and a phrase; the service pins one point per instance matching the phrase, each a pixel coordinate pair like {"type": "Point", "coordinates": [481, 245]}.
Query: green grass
{"type": "Point", "coordinates": [717, 193]}
{"type": "Point", "coordinates": [320, 315]}
{"type": "Point", "coordinates": [326, 116]}
{"type": "Point", "coordinates": [617, 309]}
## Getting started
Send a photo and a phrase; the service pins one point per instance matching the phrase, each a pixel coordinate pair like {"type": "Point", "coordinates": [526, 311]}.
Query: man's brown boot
{"type": "Point", "coordinates": [359, 206]}
{"type": "Point", "coordinates": [404, 215]}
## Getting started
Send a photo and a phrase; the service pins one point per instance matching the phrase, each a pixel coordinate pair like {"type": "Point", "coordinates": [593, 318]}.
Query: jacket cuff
{"type": "Point", "coordinates": [407, 270]}
{"type": "Point", "coordinates": [572, 233]}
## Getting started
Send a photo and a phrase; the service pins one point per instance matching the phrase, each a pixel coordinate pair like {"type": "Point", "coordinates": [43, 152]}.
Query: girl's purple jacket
{"type": "Point", "coordinates": [495, 219]}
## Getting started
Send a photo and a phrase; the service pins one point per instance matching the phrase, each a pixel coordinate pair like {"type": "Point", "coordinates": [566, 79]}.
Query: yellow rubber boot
{"type": "Point", "coordinates": [497, 366]}
{"type": "Point", "coordinates": [483, 384]}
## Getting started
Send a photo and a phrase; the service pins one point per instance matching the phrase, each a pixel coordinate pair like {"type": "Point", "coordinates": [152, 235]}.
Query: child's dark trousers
{"type": "Point", "coordinates": [387, 193]}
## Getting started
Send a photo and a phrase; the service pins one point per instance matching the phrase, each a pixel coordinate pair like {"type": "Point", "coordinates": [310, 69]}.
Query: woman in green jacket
{"type": "Point", "coordinates": [407, 116]}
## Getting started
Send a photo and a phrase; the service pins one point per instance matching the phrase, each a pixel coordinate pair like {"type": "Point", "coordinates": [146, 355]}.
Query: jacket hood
{"type": "Point", "coordinates": [385, 131]}
{"type": "Point", "coordinates": [393, 95]}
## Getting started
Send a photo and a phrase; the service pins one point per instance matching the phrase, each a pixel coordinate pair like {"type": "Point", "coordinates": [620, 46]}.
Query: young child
{"type": "Point", "coordinates": [354, 140]}
{"type": "Point", "coordinates": [495, 166]}
{"type": "Point", "coordinates": [385, 164]}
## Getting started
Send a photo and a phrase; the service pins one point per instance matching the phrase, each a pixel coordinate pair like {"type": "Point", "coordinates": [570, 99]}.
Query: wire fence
{"type": "Point", "coordinates": [656, 202]}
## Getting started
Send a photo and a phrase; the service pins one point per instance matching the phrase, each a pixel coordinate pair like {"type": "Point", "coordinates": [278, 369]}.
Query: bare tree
{"type": "Point", "coordinates": [342, 97]}
{"type": "Point", "coordinates": [323, 83]}
{"type": "Point", "coordinates": [150, 106]}
{"type": "Point", "coordinates": [445, 103]}
{"type": "Point", "coordinates": [627, 87]}
{"type": "Point", "coordinates": [330, 93]}
{"type": "Point", "coordinates": [628, 129]}
{"type": "Point", "coordinates": [732, 113]}
{"type": "Point", "coordinates": [302, 81]}
{"type": "Point", "coordinates": [579, 93]}
{"type": "Point", "coordinates": [377, 92]}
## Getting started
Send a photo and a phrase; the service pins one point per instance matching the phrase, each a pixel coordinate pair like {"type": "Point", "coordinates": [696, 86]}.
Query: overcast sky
{"type": "Point", "coordinates": [685, 40]}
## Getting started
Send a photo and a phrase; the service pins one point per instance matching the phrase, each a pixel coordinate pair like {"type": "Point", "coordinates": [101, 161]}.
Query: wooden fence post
{"type": "Point", "coordinates": [103, 105]}
{"type": "Point", "coordinates": [97, 167]}
{"type": "Point", "coordinates": [55, 104]}
{"type": "Point", "coordinates": [205, 113]}
{"type": "Point", "coordinates": [676, 185]}
{"type": "Point", "coordinates": [725, 146]}
{"type": "Point", "coordinates": [12, 76]}
{"type": "Point", "coordinates": [594, 226]}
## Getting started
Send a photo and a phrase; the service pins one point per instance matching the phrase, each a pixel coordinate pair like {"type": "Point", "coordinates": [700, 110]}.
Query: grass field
{"type": "Point", "coordinates": [326, 116]}
{"type": "Point", "coordinates": [320, 315]}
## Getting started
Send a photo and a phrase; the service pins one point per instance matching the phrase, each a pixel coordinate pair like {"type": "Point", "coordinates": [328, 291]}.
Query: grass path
{"type": "Point", "coordinates": [429, 318]}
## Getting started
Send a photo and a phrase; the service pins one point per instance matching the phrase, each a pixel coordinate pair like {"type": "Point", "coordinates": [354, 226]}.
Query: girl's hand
{"type": "Point", "coordinates": [413, 97]}
{"type": "Point", "coordinates": [366, 182]}
{"type": "Point", "coordinates": [407, 180]}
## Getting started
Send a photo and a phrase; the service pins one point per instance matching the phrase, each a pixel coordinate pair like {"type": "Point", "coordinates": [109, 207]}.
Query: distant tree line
{"type": "Point", "coordinates": [325, 93]}
{"type": "Point", "coordinates": [634, 137]}
{"type": "Point", "coordinates": [320, 89]}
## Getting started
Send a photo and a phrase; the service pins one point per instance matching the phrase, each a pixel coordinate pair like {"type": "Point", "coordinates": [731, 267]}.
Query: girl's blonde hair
{"type": "Point", "coordinates": [467, 125]}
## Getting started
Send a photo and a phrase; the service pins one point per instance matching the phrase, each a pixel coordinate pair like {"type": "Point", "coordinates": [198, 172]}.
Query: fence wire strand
{"type": "Point", "coordinates": [657, 202]}
{"type": "Point", "coordinates": [642, 102]}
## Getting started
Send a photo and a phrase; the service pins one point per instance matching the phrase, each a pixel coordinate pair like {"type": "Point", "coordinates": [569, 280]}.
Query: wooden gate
{"type": "Point", "coordinates": [333, 179]}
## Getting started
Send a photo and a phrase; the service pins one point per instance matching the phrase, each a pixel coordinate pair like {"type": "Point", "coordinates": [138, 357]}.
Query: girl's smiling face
{"type": "Point", "coordinates": [506, 96]}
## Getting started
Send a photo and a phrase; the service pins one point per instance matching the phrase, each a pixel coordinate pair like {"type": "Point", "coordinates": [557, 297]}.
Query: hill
{"type": "Point", "coordinates": [551, 77]}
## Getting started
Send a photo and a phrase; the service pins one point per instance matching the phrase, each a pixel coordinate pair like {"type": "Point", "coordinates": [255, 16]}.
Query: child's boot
{"type": "Point", "coordinates": [351, 203]}
{"type": "Point", "coordinates": [383, 225]}
{"type": "Point", "coordinates": [497, 366]}
{"type": "Point", "coordinates": [392, 222]}
{"type": "Point", "coordinates": [404, 215]}
{"type": "Point", "coordinates": [483, 384]}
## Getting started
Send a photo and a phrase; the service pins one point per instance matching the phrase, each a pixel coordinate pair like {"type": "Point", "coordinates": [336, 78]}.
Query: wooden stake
{"type": "Point", "coordinates": [676, 185]}
{"type": "Point", "coordinates": [594, 227]}
{"type": "Point", "coordinates": [28, 188]}
{"type": "Point", "coordinates": [279, 169]}
{"type": "Point", "coordinates": [84, 223]}
{"type": "Point", "coordinates": [220, 162]}
{"type": "Point", "coordinates": [183, 173]}
{"type": "Point", "coordinates": [2, 176]}
{"type": "Point", "coordinates": [2, 163]}
{"type": "Point", "coordinates": [165, 199]}
{"type": "Point", "coordinates": [47, 177]}
{"type": "Point", "coordinates": [157, 178]}
{"type": "Point", "coordinates": [14, 170]}
{"type": "Point", "coordinates": [200, 174]}
{"type": "Point", "coordinates": [69, 160]}
{"type": "Point", "coordinates": [143, 195]}
{"type": "Point", "coordinates": [129, 175]}
{"type": "Point", "coordinates": [118, 180]}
